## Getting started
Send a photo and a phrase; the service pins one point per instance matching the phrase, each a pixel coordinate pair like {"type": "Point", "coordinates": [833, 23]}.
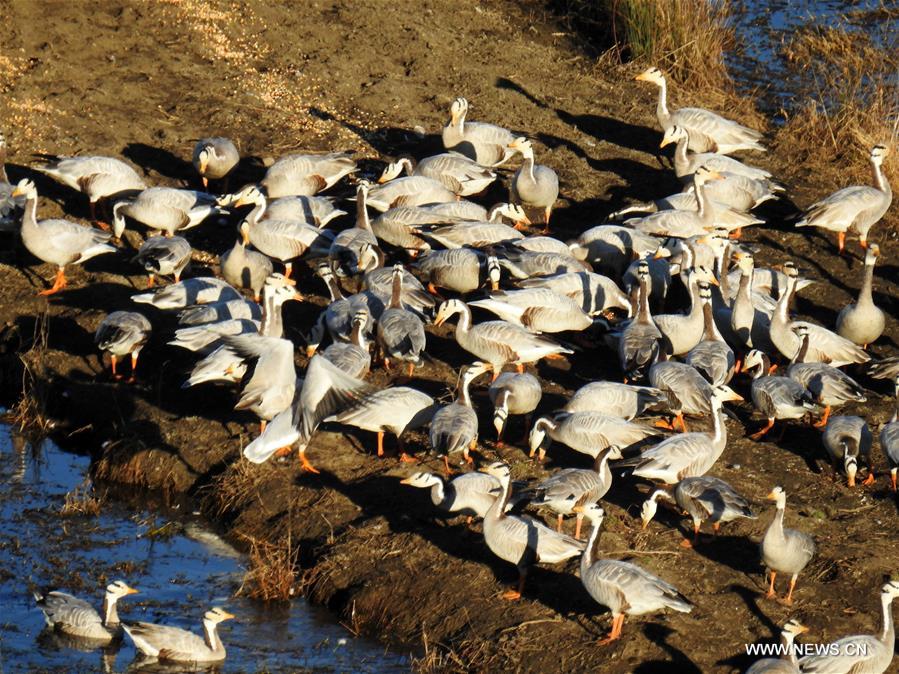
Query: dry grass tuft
{"type": "Point", "coordinates": [82, 501]}
{"type": "Point", "coordinates": [854, 102]}
{"type": "Point", "coordinates": [272, 575]}
{"type": "Point", "coordinates": [437, 658]}
{"type": "Point", "coordinates": [685, 38]}
{"type": "Point", "coordinates": [29, 415]}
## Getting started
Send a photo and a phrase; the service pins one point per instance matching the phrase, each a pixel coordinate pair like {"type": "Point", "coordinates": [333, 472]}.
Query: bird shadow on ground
{"type": "Point", "coordinates": [390, 140]}
{"type": "Point", "coordinates": [679, 662]}
{"type": "Point", "coordinates": [162, 162]}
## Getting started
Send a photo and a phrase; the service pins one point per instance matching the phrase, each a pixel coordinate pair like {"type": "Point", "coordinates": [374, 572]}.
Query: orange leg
{"type": "Point", "coordinates": [306, 465]}
{"type": "Point", "coordinates": [411, 368]}
{"type": "Point", "coordinates": [841, 241]}
{"type": "Point", "coordinates": [863, 242]}
{"type": "Point", "coordinates": [765, 429]}
{"type": "Point", "coordinates": [449, 471]}
{"type": "Point", "coordinates": [114, 361]}
{"type": "Point", "coordinates": [205, 183]}
{"type": "Point", "coordinates": [133, 366]}
{"type": "Point", "coordinates": [680, 420]}
{"type": "Point", "coordinates": [58, 283]}
{"type": "Point", "coordinates": [737, 233]}
{"type": "Point", "coordinates": [288, 268]}
{"type": "Point", "coordinates": [771, 593]}
{"type": "Point", "coordinates": [495, 375]}
{"type": "Point", "coordinates": [151, 280]}
{"type": "Point", "coordinates": [870, 479]}
{"type": "Point", "coordinates": [262, 424]}
{"type": "Point", "coordinates": [380, 443]}
{"type": "Point", "coordinates": [577, 525]}
{"type": "Point", "coordinates": [823, 421]}
{"type": "Point", "coordinates": [559, 523]}
{"type": "Point", "coordinates": [102, 225]}
{"type": "Point", "coordinates": [615, 634]}
{"type": "Point", "coordinates": [893, 485]}
{"type": "Point", "coordinates": [283, 451]}
{"type": "Point", "coordinates": [520, 368]}
{"type": "Point", "coordinates": [788, 600]}
{"type": "Point", "coordinates": [514, 595]}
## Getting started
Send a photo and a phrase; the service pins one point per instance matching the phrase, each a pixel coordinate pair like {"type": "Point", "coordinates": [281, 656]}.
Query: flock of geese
{"type": "Point", "coordinates": [426, 258]}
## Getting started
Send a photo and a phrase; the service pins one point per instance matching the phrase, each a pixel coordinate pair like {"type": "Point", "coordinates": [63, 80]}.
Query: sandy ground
{"type": "Point", "coordinates": [144, 80]}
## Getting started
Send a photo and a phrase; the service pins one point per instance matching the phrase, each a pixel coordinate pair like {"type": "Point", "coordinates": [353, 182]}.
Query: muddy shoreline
{"type": "Point", "coordinates": [329, 75]}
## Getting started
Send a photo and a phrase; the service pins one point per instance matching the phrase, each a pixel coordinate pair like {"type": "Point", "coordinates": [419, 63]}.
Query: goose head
{"type": "Point", "coordinates": [705, 175]}
{"type": "Point", "coordinates": [878, 154]}
{"type": "Point", "coordinates": [118, 589]}
{"type": "Point", "coordinates": [25, 188]}
{"type": "Point", "coordinates": [674, 134]}
{"type": "Point", "coordinates": [217, 615]}
{"type": "Point", "coordinates": [651, 505]}
{"type": "Point", "coordinates": [422, 480]}
{"type": "Point", "coordinates": [594, 513]}
{"type": "Point", "coordinates": [514, 212]}
{"type": "Point", "coordinates": [755, 359]}
{"type": "Point", "coordinates": [203, 157]}
{"type": "Point", "coordinates": [475, 370]}
{"type": "Point", "coordinates": [724, 394]}
{"type": "Point", "coordinates": [494, 272]}
{"type": "Point", "coordinates": [524, 146]}
{"type": "Point", "coordinates": [538, 439]}
{"type": "Point", "coordinates": [745, 262]}
{"type": "Point", "coordinates": [449, 309]}
{"type": "Point", "coordinates": [872, 254]}
{"type": "Point", "coordinates": [393, 170]}
{"type": "Point", "coordinates": [251, 194]}
{"type": "Point", "coordinates": [779, 496]}
{"type": "Point", "coordinates": [890, 589]}
{"type": "Point", "coordinates": [458, 110]}
{"type": "Point", "coordinates": [500, 471]}
{"type": "Point", "coordinates": [653, 75]}
{"type": "Point", "coordinates": [794, 628]}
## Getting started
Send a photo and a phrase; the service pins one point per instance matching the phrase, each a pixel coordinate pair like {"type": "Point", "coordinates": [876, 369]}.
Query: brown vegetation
{"type": "Point", "coordinates": [82, 501]}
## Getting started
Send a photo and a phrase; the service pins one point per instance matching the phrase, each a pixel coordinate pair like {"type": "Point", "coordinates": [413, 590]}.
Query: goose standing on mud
{"type": "Point", "coordinates": [59, 242]}
{"type": "Point", "coordinates": [461, 270]}
{"type": "Point", "coordinates": [533, 185]}
{"type": "Point", "coordinates": [702, 498]}
{"type": "Point", "coordinates": [785, 550]}
{"type": "Point", "coordinates": [513, 393]}
{"type": "Point", "coordinates": [774, 396]}
{"type": "Point", "coordinates": [522, 540]}
{"type": "Point", "coordinates": [469, 494]}
{"type": "Point", "coordinates": [709, 132]}
{"type": "Point", "coordinates": [571, 490]}
{"type": "Point", "coordinates": [164, 209]}
{"type": "Point", "coordinates": [458, 173]}
{"type": "Point", "coordinates": [828, 386]}
{"type": "Point", "coordinates": [172, 643]}
{"type": "Point", "coordinates": [243, 268]}
{"type": "Point", "coordinates": [163, 256]}
{"type": "Point", "coordinates": [487, 144]}
{"type": "Point", "coordinates": [863, 653]}
{"type": "Point", "coordinates": [856, 208]}
{"type": "Point", "coordinates": [640, 342]}
{"type": "Point", "coordinates": [848, 439]}
{"type": "Point", "coordinates": [863, 322]}
{"type": "Point", "coordinates": [122, 333]}
{"type": "Point", "coordinates": [454, 427]}
{"type": "Point", "coordinates": [214, 159]}
{"type": "Point", "coordinates": [400, 333]}
{"type": "Point", "coordinates": [97, 177]}
{"type": "Point", "coordinates": [615, 399]}
{"type": "Point", "coordinates": [497, 342]}
{"type": "Point", "coordinates": [75, 617]}
{"type": "Point", "coordinates": [200, 290]}
{"type": "Point", "coordinates": [686, 164]}
{"type": "Point", "coordinates": [10, 206]}
{"type": "Point", "coordinates": [623, 587]}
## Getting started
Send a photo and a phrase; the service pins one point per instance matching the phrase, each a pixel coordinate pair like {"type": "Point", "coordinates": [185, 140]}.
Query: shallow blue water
{"type": "Point", "coordinates": [179, 577]}
{"type": "Point", "coordinates": [764, 27]}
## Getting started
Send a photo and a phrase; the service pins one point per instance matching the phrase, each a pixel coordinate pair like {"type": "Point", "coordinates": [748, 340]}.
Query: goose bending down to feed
{"type": "Point", "coordinates": [318, 211]}
{"type": "Point", "coordinates": [326, 389]}
{"type": "Point", "coordinates": [400, 333]}
{"type": "Point", "coordinates": [824, 346]}
{"type": "Point", "coordinates": [172, 643]}
{"type": "Point", "coordinates": [122, 333]}
{"type": "Point", "coordinates": [75, 617]}
{"type": "Point", "coordinates": [686, 164]}
{"type": "Point", "coordinates": [163, 256]}
{"type": "Point", "coordinates": [513, 393]}
{"type": "Point", "coordinates": [537, 309]}
{"type": "Point", "coordinates": [214, 158]}
{"type": "Point", "coordinates": [59, 242]}
{"type": "Point", "coordinates": [200, 290]}
{"type": "Point", "coordinates": [469, 494]}
{"type": "Point", "coordinates": [615, 399]}
{"type": "Point", "coordinates": [461, 270]}
{"type": "Point", "coordinates": [306, 174]}
{"type": "Point", "coordinates": [393, 410]}
{"type": "Point", "coordinates": [522, 540]}
{"type": "Point", "coordinates": [709, 132]}
{"type": "Point", "coordinates": [497, 342]}
{"type": "Point", "coordinates": [454, 427]}
{"type": "Point", "coordinates": [889, 440]}
{"type": "Point", "coordinates": [571, 490]}
{"type": "Point", "coordinates": [244, 268]}
{"type": "Point", "coordinates": [586, 432]}
{"type": "Point", "coordinates": [863, 322]}
{"type": "Point", "coordinates": [704, 499]}
{"type": "Point", "coordinates": [687, 454]}
{"type": "Point", "coordinates": [862, 653]}
{"type": "Point", "coordinates": [594, 293]}
{"type": "Point", "coordinates": [856, 208]}
{"type": "Point", "coordinates": [458, 173]}
{"type": "Point", "coordinates": [787, 663]}
{"type": "Point", "coordinates": [848, 439]}
{"type": "Point", "coordinates": [785, 550]}
{"type": "Point", "coordinates": [533, 185]}
{"type": "Point", "coordinates": [97, 177]}
{"type": "Point", "coordinates": [164, 209]}
{"type": "Point", "coordinates": [828, 386]}
{"type": "Point", "coordinates": [487, 144]}
{"type": "Point", "coordinates": [640, 342]}
{"type": "Point", "coordinates": [471, 234]}
{"type": "Point", "coordinates": [623, 587]}
{"type": "Point", "coordinates": [409, 191]}
{"type": "Point", "coordinates": [774, 396]}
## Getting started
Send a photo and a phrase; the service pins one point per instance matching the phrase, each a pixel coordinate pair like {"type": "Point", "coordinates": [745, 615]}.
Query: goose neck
{"type": "Point", "coordinates": [591, 552]}
{"type": "Point", "coordinates": [438, 493]}
{"type": "Point", "coordinates": [865, 296]}
{"type": "Point", "coordinates": [210, 633]}
{"type": "Point", "coordinates": [271, 324]}
{"type": "Point", "coordinates": [662, 105]}
{"type": "Point", "coordinates": [29, 218]}
{"type": "Point", "coordinates": [362, 221]}
{"type": "Point", "coordinates": [880, 179]}
{"type": "Point", "coordinates": [888, 634]}
{"type": "Point", "coordinates": [396, 291]}
{"type": "Point", "coordinates": [110, 612]}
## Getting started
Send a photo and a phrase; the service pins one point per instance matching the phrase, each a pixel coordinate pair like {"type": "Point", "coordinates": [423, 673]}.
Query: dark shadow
{"type": "Point", "coordinates": [679, 662]}
{"type": "Point", "coordinates": [162, 162]}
